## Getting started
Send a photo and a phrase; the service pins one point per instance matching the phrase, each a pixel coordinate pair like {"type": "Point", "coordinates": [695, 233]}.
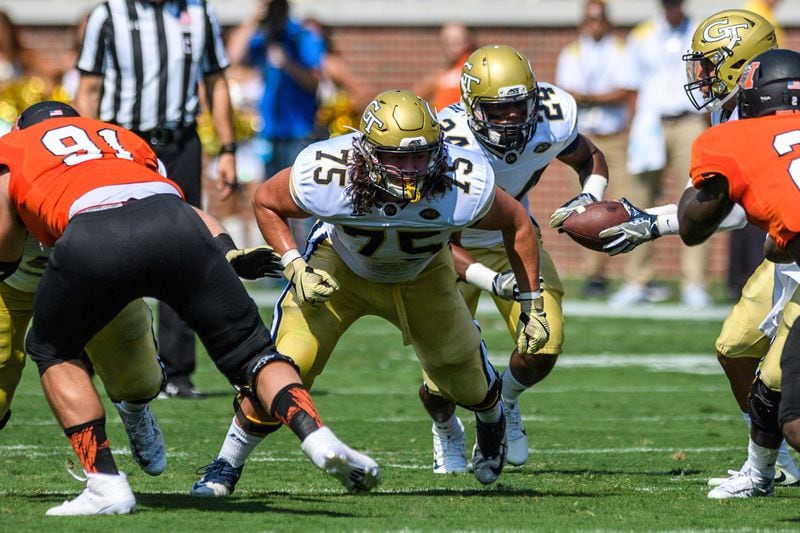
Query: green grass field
{"type": "Point", "coordinates": [624, 434]}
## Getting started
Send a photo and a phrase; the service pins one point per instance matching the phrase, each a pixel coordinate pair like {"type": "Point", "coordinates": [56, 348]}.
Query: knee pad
{"type": "Point", "coordinates": [763, 407]}
{"type": "Point", "coordinates": [252, 424]}
{"type": "Point", "coordinates": [43, 354]}
{"type": "Point", "coordinates": [256, 365]}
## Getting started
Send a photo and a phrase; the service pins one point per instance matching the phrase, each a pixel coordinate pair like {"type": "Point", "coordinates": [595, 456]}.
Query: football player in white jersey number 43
{"type": "Point", "coordinates": [388, 199]}
{"type": "Point", "coordinates": [520, 126]}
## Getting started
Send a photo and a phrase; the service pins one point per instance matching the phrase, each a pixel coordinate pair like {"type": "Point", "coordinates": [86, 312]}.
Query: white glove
{"type": "Point", "coordinates": [311, 285]}
{"type": "Point", "coordinates": [502, 284]}
{"type": "Point", "coordinates": [533, 331]}
{"type": "Point", "coordinates": [560, 215]}
{"type": "Point", "coordinates": [640, 228]}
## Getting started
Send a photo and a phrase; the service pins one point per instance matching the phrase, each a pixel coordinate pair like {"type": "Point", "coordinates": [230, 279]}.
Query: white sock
{"type": "Point", "coordinates": [511, 387]}
{"type": "Point", "coordinates": [762, 459]}
{"type": "Point", "coordinates": [784, 450]}
{"type": "Point", "coordinates": [492, 415]}
{"type": "Point", "coordinates": [449, 426]}
{"type": "Point", "coordinates": [238, 445]}
{"type": "Point", "coordinates": [132, 407]}
{"type": "Point", "coordinates": [747, 420]}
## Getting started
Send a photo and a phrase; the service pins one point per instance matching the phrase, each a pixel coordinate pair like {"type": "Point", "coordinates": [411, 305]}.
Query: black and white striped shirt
{"type": "Point", "coordinates": [152, 55]}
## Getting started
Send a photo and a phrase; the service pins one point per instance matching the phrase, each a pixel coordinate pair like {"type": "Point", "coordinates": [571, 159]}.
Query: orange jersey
{"type": "Point", "coordinates": [760, 157]}
{"type": "Point", "coordinates": [57, 161]}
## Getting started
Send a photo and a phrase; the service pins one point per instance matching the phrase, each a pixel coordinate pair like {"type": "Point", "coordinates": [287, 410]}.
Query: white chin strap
{"type": "Point", "coordinates": [719, 102]}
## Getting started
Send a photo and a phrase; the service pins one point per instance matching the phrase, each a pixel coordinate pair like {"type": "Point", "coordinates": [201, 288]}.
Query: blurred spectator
{"type": "Point", "coordinates": [443, 87]}
{"type": "Point", "coordinates": [593, 69]}
{"type": "Point", "coordinates": [290, 58]}
{"type": "Point", "coordinates": [342, 95]}
{"type": "Point", "coordinates": [663, 128]}
{"type": "Point", "coordinates": [766, 8]}
{"type": "Point", "coordinates": [10, 49]}
{"type": "Point", "coordinates": [25, 78]}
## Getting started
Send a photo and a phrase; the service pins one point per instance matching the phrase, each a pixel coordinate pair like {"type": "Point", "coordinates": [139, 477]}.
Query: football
{"type": "Point", "coordinates": [584, 225]}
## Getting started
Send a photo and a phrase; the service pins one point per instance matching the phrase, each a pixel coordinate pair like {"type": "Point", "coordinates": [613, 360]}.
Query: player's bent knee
{"type": "Point", "coordinates": [255, 421]}
{"type": "Point", "coordinates": [44, 355]}
{"type": "Point", "coordinates": [763, 406]}
{"type": "Point", "coordinates": [489, 401]}
{"type": "Point", "coordinates": [259, 363]}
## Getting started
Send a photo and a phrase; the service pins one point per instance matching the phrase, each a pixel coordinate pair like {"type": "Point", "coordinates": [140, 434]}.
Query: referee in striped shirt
{"type": "Point", "coordinates": [140, 65]}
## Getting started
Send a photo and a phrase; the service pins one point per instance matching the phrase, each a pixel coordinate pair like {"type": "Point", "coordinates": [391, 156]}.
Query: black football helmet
{"type": "Point", "coordinates": [40, 111]}
{"type": "Point", "coordinates": [770, 84]}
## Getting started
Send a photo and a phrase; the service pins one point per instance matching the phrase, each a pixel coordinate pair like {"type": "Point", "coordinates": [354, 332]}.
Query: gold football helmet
{"type": "Point", "coordinates": [721, 46]}
{"type": "Point", "coordinates": [499, 92]}
{"type": "Point", "coordinates": [401, 144]}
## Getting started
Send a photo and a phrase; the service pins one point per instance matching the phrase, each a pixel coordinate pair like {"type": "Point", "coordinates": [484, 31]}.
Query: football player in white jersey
{"type": "Point", "coordinates": [388, 199]}
{"type": "Point", "coordinates": [722, 45]}
{"type": "Point", "coordinates": [521, 126]}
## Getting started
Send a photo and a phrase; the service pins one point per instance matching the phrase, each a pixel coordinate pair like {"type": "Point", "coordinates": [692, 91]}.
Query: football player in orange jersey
{"type": "Point", "coordinates": [755, 163]}
{"type": "Point", "coordinates": [120, 231]}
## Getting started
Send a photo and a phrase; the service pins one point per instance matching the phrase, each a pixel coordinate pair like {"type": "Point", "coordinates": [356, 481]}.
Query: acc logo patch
{"type": "Point", "coordinates": [389, 210]}
{"type": "Point", "coordinates": [542, 147]}
{"type": "Point", "coordinates": [429, 213]}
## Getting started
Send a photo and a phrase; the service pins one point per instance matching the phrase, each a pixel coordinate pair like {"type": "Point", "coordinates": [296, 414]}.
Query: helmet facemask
{"type": "Point", "coordinates": [404, 172]}
{"type": "Point", "coordinates": [508, 122]}
{"type": "Point", "coordinates": [704, 87]}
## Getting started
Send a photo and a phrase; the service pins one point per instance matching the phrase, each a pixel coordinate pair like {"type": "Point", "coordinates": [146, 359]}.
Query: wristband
{"type": "Point", "coordinates": [225, 242]}
{"type": "Point", "coordinates": [228, 148]}
{"type": "Point", "coordinates": [595, 185]}
{"type": "Point", "coordinates": [529, 295]}
{"type": "Point", "coordinates": [289, 256]}
{"type": "Point", "coordinates": [480, 276]}
{"type": "Point", "coordinates": [667, 224]}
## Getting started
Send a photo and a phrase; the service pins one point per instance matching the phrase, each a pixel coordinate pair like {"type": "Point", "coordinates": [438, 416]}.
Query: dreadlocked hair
{"type": "Point", "coordinates": [362, 189]}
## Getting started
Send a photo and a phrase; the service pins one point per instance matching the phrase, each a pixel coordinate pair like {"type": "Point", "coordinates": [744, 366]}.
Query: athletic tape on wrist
{"type": "Point", "coordinates": [595, 185]}
{"type": "Point", "coordinates": [289, 256]}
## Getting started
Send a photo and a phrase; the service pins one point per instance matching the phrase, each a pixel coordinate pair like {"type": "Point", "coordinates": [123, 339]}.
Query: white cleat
{"type": "Point", "coordinates": [356, 471]}
{"type": "Point", "coordinates": [787, 473]}
{"type": "Point", "coordinates": [104, 494]}
{"type": "Point", "coordinates": [145, 438]}
{"type": "Point", "coordinates": [517, 437]}
{"type": "Point", "coordinates": [449, 450]}
{"type": "Point", "coordinates": [743, 483]}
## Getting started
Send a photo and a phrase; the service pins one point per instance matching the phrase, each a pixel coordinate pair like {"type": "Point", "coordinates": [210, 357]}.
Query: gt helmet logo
{"type": "Point", "coordinates": [370, 118]}
{"type": "Point", "coordinates": [721, 30]}
{"type": "Point", "coordinates": [467, 80]}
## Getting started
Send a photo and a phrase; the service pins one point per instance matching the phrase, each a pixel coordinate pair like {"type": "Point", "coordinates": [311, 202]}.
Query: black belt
{"type": "Point", "coordinates": [165, 136]}
{"type": "Point", "coordinates": [676, 117]}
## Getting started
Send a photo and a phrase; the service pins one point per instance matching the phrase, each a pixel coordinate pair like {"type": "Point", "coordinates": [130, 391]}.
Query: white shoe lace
{"type": "Point", "coordinates": [514, 426]}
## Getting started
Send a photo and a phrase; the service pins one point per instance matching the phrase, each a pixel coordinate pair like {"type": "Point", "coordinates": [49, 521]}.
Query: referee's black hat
{"type": "Point", "coordinates": [42, 111]}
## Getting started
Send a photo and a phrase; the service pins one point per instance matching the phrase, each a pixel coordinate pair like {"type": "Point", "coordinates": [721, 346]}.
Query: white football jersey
{"type": "Point", "coordinates": [517, 172]}
{"type": "Point", "coordinates": [395, 241]}
{"type": "Point", "coordinates": [29, 272]}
